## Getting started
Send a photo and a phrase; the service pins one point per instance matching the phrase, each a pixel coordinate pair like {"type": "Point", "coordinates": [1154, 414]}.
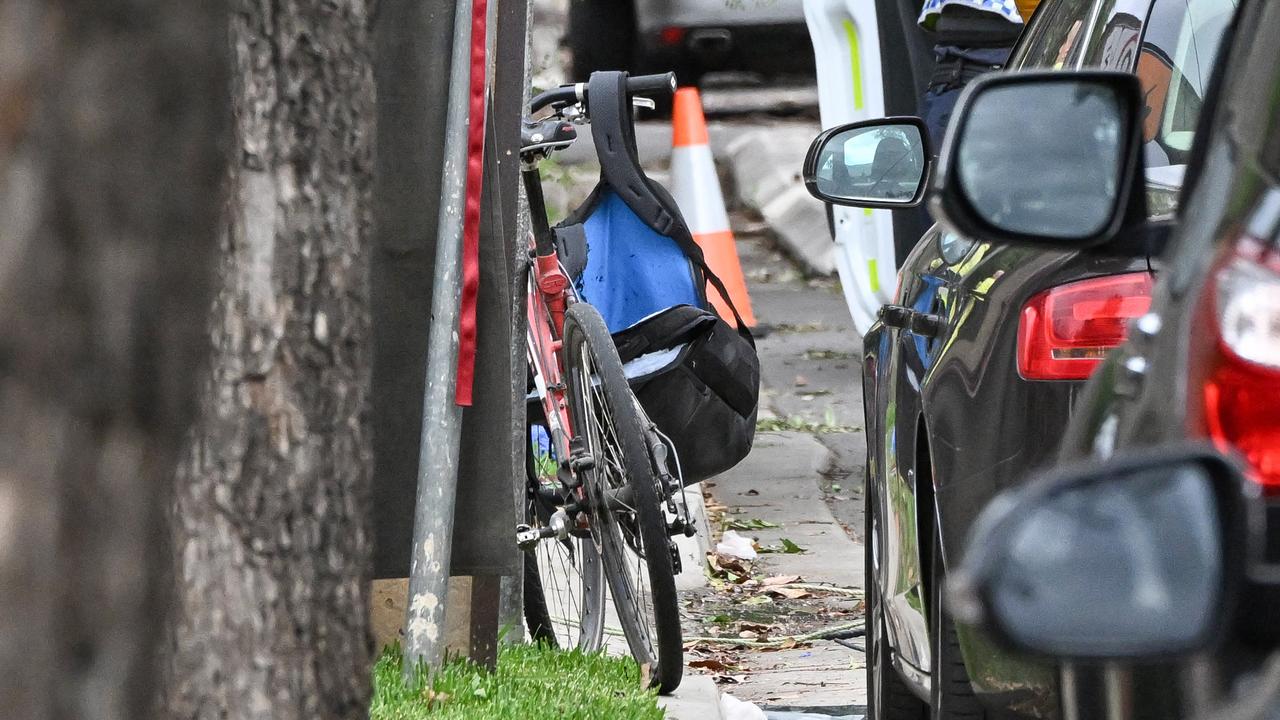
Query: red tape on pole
{"type": "Point", "coordinates": [471, 215]}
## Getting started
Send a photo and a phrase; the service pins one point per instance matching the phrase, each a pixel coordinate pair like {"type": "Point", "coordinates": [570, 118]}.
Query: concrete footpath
{"type": "Point", "coordinates": [799, 489]}
{"type": "Point", "coordinates": [697, 698]}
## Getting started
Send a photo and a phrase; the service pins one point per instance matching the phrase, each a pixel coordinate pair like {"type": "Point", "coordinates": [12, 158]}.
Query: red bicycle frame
{"type": "Point", "coordinates": [546, 302]}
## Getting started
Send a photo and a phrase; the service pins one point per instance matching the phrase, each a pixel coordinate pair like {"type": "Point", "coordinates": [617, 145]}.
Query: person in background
{"type": "Point", "coordinates": [962, 39]}
{"type": "Point", "coordinates": [970, 37]}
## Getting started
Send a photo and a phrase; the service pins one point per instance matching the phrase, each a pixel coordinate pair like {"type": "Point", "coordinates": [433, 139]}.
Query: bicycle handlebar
{"type": "Point", "coordinates": [661, 84]}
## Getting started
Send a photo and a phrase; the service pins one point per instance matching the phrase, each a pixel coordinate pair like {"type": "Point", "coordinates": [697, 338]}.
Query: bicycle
{"type": "Point", "coordinates": [600, 496]}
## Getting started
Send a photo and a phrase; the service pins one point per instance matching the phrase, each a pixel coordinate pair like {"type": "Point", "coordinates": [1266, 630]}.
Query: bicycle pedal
{"type": "Point", "coordinates": [526, 537]}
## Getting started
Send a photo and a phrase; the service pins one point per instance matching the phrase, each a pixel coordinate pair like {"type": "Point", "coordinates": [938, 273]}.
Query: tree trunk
{"type": "Point", "coordinates": [272, 534]}
{"type": "Point", "coordinates": [111, 116]}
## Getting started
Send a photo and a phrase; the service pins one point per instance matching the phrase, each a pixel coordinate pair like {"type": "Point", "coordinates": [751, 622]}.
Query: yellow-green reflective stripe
{"type": "Point", "coordinates": [875, 276]}
{"type": "Point", "coordinates": [851, 32]}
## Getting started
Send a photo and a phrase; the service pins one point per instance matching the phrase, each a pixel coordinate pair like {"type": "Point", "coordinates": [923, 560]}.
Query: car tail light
{"type": "Point", "coordinates": [671, 35]}
{"type": "Point", "coordinates": [1065, 331]}
{"type": "Point", "coordinates": [1240, 367]}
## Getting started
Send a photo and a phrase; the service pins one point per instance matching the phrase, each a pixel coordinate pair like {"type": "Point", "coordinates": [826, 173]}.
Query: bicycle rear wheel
{"type": "Point", "coordinates": [563, 579]}
{"type": "Point", "coordinates": [626, 501]}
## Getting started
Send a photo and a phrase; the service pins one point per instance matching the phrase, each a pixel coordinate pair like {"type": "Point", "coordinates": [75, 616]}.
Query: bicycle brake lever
{"type": "Point", "coordinates": [643, 102]}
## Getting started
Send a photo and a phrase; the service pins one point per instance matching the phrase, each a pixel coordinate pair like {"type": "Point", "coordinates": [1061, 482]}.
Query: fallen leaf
{"type": "Point", "coordinates": [780, 580]}
{"type": "Point", "coordinates": [712, 665]}
{"type": "Point", "coordinates": [791, 548]}
{"type": "Point", "coordinates": [728, 562]}
{"type": "Point", "coordinates": [791, 593]}
{"type": "Point", "coordinates": [748, 524]}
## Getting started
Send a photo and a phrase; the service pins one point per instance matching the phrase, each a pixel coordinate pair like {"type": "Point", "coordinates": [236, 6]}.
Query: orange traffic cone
{"type": "Point", "coordinates": [696, 188]}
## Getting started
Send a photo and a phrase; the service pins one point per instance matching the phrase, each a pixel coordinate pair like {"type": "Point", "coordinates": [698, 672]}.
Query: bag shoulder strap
{"type": "Point", "coordinates": [613, 133]}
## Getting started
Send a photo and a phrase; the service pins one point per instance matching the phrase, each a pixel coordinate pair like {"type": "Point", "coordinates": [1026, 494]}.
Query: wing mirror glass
{"type": "Point", "coordinates": [1137, 558]}
{"type": "Point", "coordinates": [880, 163]}
{"type": "Point", "coordinates": [1050, 158]}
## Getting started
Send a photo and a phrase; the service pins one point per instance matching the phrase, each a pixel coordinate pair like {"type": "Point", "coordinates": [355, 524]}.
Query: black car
{"type": "Point", "coordinates": [973, 372]}
{"type": "Point", "coordinates": [1203, 364]}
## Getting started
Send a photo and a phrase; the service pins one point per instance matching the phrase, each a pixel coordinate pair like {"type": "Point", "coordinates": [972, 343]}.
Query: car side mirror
{"type": "Point", "coordinates": [1137, 558]}
{"type": "Point", "coordinates": [882, 163]}
{"type": "Point", "coordinates": [1048, 158]}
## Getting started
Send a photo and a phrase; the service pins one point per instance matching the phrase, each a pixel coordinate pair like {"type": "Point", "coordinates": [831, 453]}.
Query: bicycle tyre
{"type": "Point", "coordinates": [573, 617]}
{"type": "Point", "coordinates": [589, 351]}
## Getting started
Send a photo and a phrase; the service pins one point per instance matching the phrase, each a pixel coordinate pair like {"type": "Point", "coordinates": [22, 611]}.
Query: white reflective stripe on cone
{"type": "Point", "coordinates": [696, 188]}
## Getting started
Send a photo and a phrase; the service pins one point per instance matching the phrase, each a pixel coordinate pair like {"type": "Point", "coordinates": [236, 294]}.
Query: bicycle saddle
{"type": "Point", "coordinates": [546, 135]}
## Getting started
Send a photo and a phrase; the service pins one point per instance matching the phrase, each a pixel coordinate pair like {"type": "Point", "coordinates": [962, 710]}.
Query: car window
{"type": "Point", "coordinates": [1053, 36]}
{"type": "Point", "coordinates": [1113, 44]}
{"type": "Point", "coordinates": [1177, 56]}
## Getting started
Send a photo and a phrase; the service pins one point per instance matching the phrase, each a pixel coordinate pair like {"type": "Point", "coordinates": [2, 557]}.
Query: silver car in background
{"type": "Point", "coordinates": [691, 37]}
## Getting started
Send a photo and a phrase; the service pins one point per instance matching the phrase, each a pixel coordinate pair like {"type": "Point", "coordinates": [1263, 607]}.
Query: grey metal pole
{"type": "Point", "coordinates": [441, 416]}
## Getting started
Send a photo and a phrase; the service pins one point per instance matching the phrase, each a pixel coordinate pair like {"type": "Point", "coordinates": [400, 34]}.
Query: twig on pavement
{"type": "Point", "coordinates": [822, 634]}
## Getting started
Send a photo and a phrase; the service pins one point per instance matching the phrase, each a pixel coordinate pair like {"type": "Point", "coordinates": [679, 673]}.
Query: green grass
{"type": "Point", "coordinates": [532, 681]}
{"type": "Point", "coordinates": [544, 465]}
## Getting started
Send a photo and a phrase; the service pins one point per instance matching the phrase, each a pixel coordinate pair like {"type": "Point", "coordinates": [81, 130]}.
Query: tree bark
{"type": "Point", "coordinates": [111, 116]}
{"type": "Point", "coordinates": [272, 534]}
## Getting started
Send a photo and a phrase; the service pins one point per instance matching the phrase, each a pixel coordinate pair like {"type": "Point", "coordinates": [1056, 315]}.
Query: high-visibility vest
{"type": "Point", "coordinates": [1008, 9]}
{"type": "Point", "coordinates": [1026, 7]}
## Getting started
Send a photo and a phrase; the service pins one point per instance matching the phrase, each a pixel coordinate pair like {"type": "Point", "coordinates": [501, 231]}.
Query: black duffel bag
{"type": "Point", "coordinates": [705, 400]}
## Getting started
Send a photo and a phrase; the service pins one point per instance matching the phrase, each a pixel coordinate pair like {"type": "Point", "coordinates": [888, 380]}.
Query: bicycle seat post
{"type": "Point", "coordinates": [551, 280]}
